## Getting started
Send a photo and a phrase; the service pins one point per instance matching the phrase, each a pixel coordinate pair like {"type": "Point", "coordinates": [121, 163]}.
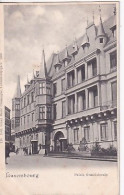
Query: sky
{"type": "Point", "coordinates": [30, 28]}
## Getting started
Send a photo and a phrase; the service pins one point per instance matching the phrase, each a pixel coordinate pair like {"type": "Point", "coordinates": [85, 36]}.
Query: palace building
{"type": "Point", "coordinates": [73, 95]}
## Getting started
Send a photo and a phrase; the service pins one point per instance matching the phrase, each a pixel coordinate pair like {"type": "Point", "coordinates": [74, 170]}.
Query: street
{"type": "Point", "coordinates": [39, 161]}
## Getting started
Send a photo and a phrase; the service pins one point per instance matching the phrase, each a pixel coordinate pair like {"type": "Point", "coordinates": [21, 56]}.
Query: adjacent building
{"type": "Point", "coordinates": [73, 96]}
{"type": "Point", "coordinates": [7, 128]}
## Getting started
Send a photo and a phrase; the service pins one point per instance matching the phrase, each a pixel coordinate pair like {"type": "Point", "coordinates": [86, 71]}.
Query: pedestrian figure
{"type": "Point", "coordinates": [7, 151]}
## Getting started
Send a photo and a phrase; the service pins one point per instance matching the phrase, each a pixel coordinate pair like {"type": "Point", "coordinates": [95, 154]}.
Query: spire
{"type": "Point", "coordinates": [18, 88]}
{"type": "Point", "coordinates": [93, 16]}
{"type": "Point", "coordinates": [27, 79]}
{"type": "Point", "coordinates": [43, 70]}
{"type": "Point", "coordinates": [114, 11]}
{"type": "Point", "coordinates": [33, 74]}
{"type": "Point", "coordinates": [100, 27]}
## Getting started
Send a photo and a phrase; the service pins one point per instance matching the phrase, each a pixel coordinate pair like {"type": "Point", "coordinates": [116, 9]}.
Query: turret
{"type": "Point", "coordinates": [101, 37]}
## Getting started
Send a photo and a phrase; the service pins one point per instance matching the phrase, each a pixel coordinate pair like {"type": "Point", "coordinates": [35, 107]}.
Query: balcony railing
{"type": "Point", "coordinates": [108, 105]}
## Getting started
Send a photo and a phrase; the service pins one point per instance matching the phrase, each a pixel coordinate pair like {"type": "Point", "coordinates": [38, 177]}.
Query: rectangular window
{"type": "Point", "coordinates": [113, 60]}
{"type": "Point", "coordinates": [81, 73]}
{"type": "Point", "coordinates": [28, 116]}
{"type": "Point", "coordinates": [87, 133]}
{"type": "Point", "coordinates": [114, 93]}
{"type": "Point", "coordinates": [42, 88]}
{"type": "Point", "coordinates": [63, 109]}
{"type": "Point", "coordinates": [48, 112]}
{"type": "Point", "coordinates": [24, 102]}
{"type": "Point", "coordinates": [32, 96]}
{"type": "Point", "coordinates": [55, 111]}
{"type": "Point", "coordinates": [71, 79]}
{"type": "Point", "coordinates": [63, 85]}
{"type": "Point", "coordinates": [54, 89]}
{"type": "Point", "coordinates": [81, 101]}
{"type": "Point", "coordinates": [71, 104]}
{"type": "Point", "coordinates": [101, 40]}
{"type": "Point", "coordinates": [17, 120]}
{"type": "Point", "coordinates": [24, 119]}
{"type": "Point", "coordinates": [28, 99]}
{"type": "Point", "coordinates": [17, 107]}
{"type": "Point", "coordinates": [48, 90]}
{"type": "Point", "coordinates": [33, 116]}
{"type": "Point", "coordinates": [42, 112]}
{"type": "Point", "coordinates": [92, 68]}
{"type": "Point", "coordinates": [104, 130]}
{"type": "Point", "coordinates": [115, 130]}
{"type": "Point", "coordinates": [76, 135]}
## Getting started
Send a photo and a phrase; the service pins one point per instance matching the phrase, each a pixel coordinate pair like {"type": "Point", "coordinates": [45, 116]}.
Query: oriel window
{"type": "Point", "coordinates": [48, 112]}
{"type": "Point", "coordinates": [32, 96]}
{"type": "Point", "coordinates": [42, 112]}
{"type": "Point", "coordinates": [42, 88]}
{"type": "Point", "coordinates": [48, 90]}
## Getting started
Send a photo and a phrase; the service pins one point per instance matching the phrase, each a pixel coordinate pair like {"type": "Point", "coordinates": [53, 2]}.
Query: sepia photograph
{"type": "Point", "coordinates": [60, 92]}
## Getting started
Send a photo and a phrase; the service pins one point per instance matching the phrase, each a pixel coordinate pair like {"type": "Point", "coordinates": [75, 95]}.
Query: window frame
{"type": "Point", "coordinates": [42, 112]}
{"type": "Point", "coordinates": [42, 88]}
{"type": "Point", "coordinates": [104, 134]}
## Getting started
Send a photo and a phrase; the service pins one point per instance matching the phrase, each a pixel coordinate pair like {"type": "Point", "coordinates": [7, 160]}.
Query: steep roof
{"type": "Point", "coordinates": [101, 30]}
{"type": "Point", "coordinates": [105, 27]}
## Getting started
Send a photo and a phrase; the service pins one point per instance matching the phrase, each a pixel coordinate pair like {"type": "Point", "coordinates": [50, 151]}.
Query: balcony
{"type": "Point", "coordinates": [82, 113]}
{"type": "Point", "coordinates": [108, 105]}
{"type": "Point", "coordinates": [83, 84]}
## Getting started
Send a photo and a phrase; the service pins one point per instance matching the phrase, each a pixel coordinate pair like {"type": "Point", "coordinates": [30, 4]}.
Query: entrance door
{"type": "Point", "coordinates": [34, 147]}
{"type": "Point", "coordinates": [63, 144]}
{"type": "Point", "coordinates": [60, 142]}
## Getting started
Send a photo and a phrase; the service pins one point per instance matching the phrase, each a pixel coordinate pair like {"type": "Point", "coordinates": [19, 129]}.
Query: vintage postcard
{"type": "Point", "coordinates": [59, 65]}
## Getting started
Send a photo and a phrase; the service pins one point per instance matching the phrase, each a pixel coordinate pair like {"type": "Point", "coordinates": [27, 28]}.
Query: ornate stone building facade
{"type": "Point", "coordinates": [73, 96]}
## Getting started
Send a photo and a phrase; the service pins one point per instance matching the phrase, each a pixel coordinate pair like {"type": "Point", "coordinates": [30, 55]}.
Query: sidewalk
{"type": "Point", "coordinates": [73, 156]}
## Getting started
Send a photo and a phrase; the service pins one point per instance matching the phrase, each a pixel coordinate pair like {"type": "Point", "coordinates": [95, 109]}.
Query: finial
{"type": "Point", "coordinates": [93, 16]}
{"type": "Point", "coordinates": [100, 11]}
{"type": "Point", "coordinates": [114, 12]}
{"type": "Point", "coordinates": [27, 79]}
{"type": "Point", "coordinates": [33, 74]}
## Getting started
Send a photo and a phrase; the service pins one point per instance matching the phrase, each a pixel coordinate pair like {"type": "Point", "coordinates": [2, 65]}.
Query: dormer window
{"type": "Point", "coordinates": [57, 68]}
{"type": "Point", "coordinates": [101, 40]}
{"type": "Point", "coordinates": [113, 29]}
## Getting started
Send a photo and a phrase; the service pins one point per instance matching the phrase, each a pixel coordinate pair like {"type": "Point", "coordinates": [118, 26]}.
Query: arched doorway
{"type": "Point", "coordinates": [60, 143]}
